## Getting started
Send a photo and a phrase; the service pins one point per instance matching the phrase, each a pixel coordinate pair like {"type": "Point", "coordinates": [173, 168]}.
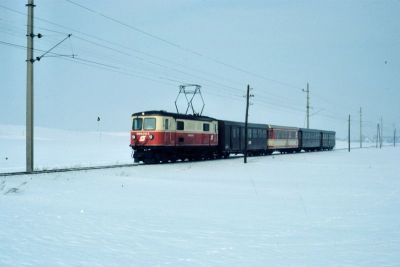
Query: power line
{"type": "Point", "coordinates": [127, 54]}
{"type": "Point", "coordinates": [160, 65]}
{"type": "Point", "coordinates": [179, 46]}
{"type": "Point", "coordinates": [117, 70]}
{"type": "Point", "coordinates": [135, 50]}
{"type": "Point", "coordinates": [112, 68]}
{"type": "Point", "coordinates": [84, 61]}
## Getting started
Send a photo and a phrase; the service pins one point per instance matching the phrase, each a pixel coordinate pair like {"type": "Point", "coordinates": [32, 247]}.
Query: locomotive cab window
{"type": "Point", "coordinates": [149, 124]}
{"type": "Point", "coordinates": [166, 124]}
{"type": "Point", "coordinates": [137, 124]}
{"type": "Point", "coordinates": [206, 127]}
{"type": "Point", "coordinates": [180, 125]}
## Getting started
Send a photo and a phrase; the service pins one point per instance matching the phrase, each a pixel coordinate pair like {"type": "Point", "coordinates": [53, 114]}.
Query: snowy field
{"type": "Point", "coordinates": [310, 209]}
{"type": "Point", "coordinates": [59, 148]}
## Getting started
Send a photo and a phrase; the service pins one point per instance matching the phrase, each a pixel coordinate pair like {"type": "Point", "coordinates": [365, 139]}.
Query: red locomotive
{"type": "Point", "coordinates": [160, 136]}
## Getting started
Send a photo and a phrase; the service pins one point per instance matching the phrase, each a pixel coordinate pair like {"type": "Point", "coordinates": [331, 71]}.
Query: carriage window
{"type": "Point", "coordinates": [137, 124]}
{"type": "Point", "coordinates": [180, 125]}
{"type": "Point", "coordinates": [206, 127]}
{"type": "Point", "coordinates": [149, 124]}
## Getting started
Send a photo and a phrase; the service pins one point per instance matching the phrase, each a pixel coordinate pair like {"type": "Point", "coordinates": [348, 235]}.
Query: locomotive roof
{"type": "Point", "coordinates": [174, 115]}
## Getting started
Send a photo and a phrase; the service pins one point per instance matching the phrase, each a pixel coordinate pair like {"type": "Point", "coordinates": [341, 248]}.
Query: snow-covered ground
{"type": "Point", "coordinates": [311, 209]}
{"type": "Point", "coordinates": [60, 148]}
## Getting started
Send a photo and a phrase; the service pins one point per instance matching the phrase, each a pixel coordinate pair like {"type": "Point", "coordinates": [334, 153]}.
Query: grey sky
{"type": "Point", "coordinates": [347, 50]}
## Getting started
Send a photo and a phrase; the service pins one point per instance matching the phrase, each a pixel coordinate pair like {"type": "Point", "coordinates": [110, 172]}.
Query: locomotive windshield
{"type": "Point", "coordinates": [137, 124]}
{"type": "Point", "coordinates": [149, 124]}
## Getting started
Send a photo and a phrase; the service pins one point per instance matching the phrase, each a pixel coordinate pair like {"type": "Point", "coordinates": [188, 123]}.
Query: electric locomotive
{"type": "Point", "coordinates": [160, 136]}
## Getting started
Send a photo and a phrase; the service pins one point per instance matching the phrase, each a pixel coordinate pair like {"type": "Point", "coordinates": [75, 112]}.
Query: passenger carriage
{"type": "Point", "coordinates": [232, 138]}
{"type": "Point", "coordinates": [310, 139]}
{"type": "Point", "coordinates": [328, 140]}
{"type": "Point", "coordinates": [283, 139]}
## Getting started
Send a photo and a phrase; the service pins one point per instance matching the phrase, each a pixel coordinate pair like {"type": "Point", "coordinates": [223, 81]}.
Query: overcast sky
{"type": "Point", "coordinates": [131, 56]}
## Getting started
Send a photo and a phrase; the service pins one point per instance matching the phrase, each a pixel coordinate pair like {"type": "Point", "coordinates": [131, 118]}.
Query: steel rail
{"type": "Point", "coordinates": [114, 166]}
{"type": "Point", "coordinates": [70, 169]}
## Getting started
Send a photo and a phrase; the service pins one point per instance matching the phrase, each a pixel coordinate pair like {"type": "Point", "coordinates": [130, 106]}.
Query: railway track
{"type": "Point", "coordinates": [70, 169]}
{"type": "Point", "coordinates": [113, 166]}
{"type": "Point", "coordinates": [88, 168]}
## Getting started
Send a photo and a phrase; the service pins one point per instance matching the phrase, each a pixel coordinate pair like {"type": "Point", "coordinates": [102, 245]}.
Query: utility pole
{"type": "Point", "coordinates": [378, 138]}
{"type": "Point", "coordinates": [30, 35]}
{"type": "Point", "coordinates": [381, 134]}
{"type": "Point", "coordinates": [394, 138]}
{"type": "Point", "coordinates": [349, 134]}
{"type": "Point", "coordinates": [308, 105]}
{"type": "Point", "coordinates": [360, 127]}
{"type": "Point", "coordinates": [246, 122]}
{"type": "Point", "coordinates": [29, 89]}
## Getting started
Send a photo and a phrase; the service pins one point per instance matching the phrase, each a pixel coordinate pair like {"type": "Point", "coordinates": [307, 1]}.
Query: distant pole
{"type": "Point", "coordinates": [394, 138]}
{"type": "Point", "coordinates": [308, 105]}
{"type": "Point", "coordinates": [349, 133]}
{"type": "Point", "coordinates": [98, 127]}
{"type": "Point", "coordinates": [245, 124]}
{"type": "Point", "coordinates": [378, 138]}
{"type": "Point", "coordinates": [381, 134]}
{"type": "Point", "coordinates": [29, 88]}
{"type": "Point", "coordinates": [360, 127]}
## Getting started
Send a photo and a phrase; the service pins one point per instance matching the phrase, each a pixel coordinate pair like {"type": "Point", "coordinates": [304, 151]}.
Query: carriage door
{"type": "Point", "coordinates": [235, 138]}
{"type": "Point", "coordinates": [169, 136]}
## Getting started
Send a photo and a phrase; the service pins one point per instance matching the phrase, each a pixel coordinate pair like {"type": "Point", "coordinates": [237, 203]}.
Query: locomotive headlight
{"type": "Point", "coordinates": [151, 137]}
{"type": "Point", "coordinates": [133, 137]}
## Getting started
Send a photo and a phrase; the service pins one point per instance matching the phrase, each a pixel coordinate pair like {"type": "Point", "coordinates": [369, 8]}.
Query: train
{"type": "Point", "coordinates": [161, 136]}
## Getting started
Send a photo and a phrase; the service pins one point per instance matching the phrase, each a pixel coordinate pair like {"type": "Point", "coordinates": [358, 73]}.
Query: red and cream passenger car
{"type": "Point", "coordinates": [162, 136]}
{"type": "Point", "coordinates": [283, 138]}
